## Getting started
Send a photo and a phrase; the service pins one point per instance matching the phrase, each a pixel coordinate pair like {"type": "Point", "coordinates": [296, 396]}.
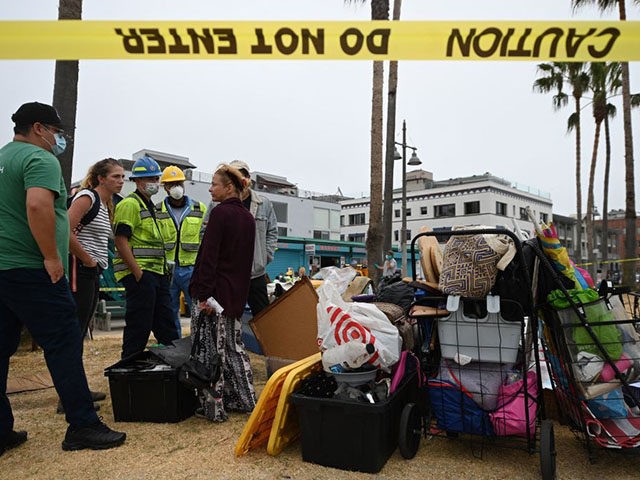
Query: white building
{"type": "Point", "coordinates": [476, 200]}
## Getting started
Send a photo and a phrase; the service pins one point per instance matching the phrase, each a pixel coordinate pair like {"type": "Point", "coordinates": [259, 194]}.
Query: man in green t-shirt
{"type": "Point", "coordinates": [34, 244]}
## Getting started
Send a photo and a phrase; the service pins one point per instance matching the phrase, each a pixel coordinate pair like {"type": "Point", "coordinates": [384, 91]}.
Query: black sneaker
{"type": "Point", "coordinates": [95, 437]}
{"type": "Point", "coordinates": [98, 396]}
{"type": "Point", "coordinates": [60, 408]}
{"type": "Point", "coordinates": [12, 440]}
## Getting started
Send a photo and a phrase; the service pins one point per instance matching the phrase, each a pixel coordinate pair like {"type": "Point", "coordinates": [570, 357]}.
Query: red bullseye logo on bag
{"type": "Point", "coordinates": [346, 329]}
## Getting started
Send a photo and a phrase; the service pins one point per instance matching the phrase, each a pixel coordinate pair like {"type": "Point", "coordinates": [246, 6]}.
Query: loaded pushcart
{"type": "Point", "coordinates": [476, 338]}
{"type": "Point", "coordinates": [592, 346]}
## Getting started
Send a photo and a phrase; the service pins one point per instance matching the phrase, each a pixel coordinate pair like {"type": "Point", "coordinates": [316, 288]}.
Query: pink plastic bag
{"type": "Point", "coordinates": [399, 370]}
{"type": "Point", "coordinates": [510, 418]}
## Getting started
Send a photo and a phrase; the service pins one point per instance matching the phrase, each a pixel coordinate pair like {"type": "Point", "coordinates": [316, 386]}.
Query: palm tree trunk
{"type": "Point", "coordinates": [604, 242]}
{"type": "Point", "coordinates": [589, 217]}
{"type": "Point", "coordinates": [630, 241]}
{"type": "Point", "coordinates": [578, 247]}
{"type": "Point", "coordinates": [65, 90]}
{"type": "Point", "coordinates": [379, 11]}
{"type": "Point", "coordinates": [390, 139]}
{"type": "Point", "coordinates": [374, 232]}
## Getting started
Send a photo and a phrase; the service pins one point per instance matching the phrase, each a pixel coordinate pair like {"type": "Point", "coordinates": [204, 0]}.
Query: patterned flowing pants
{"type": "Point", "coordinates": [234, 390]}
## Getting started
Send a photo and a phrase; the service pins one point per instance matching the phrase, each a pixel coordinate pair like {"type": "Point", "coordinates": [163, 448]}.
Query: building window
{"type": "Point", "coordinates": [342, 220]}
{"type": "Point", "coordinates": [408, 239]}
{"type": "Point", "coordinates": [321, 234]}
{"type": "Point", "coordinates": [281, 210]}
{"type": "Point", "coordinates": [423, 210]}
{"type": "Point", "coordinates": [448, 210]}
{"type": "Point", "coordinates": [408, 212]}
{"type": "Point", "coordinates": [356, 237]}
{"type": "Point", "coordinates": [342, 238]}
{"type": "Point", "coordinates": [501, 208]}
{"type": "Point", "coordinates": [543, 217]}
{"type": "Point", "coordinates": [396, 235]}
{"type": "Point", "coordinates": [357, 219]}
{"type": "Point", "coordinates": [396, 213]}
{"type": "Point", "coordinates": [523, 213]}
{"type": "Point", "coordinates": [471, 208]}
{"type": "Point", "coordinates": [282, 231]}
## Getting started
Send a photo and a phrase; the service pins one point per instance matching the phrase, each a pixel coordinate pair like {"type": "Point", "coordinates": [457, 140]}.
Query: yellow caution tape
{"type": "Point", "coordinates": [621, 260]}
{"type": "Point", "coordinates": [321, 40]}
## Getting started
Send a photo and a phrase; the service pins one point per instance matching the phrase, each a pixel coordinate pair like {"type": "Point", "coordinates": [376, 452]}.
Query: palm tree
{"type": "Point", "coordinates": [611, 112]}
{"type": "Point", "coordinates": [375, 236]}
{"type": "Point", "coordinates": [391, 136]}
{"type": "Point", "coordinates": [553, 77]}
{"type": "Point", "coordinates": [604, 78]}
{"type": "Point", "coordinates": [628, 268]}
{"type": "Point", "coordinates": [65, 89]}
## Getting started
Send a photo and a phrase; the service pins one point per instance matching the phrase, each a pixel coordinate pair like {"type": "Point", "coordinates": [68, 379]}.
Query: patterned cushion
{"type": "Point", "coordinates": [469, 267]}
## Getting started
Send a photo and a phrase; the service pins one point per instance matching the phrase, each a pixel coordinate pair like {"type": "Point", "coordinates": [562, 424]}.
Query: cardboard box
{"type": "Point", "coordinates": [288, 328]}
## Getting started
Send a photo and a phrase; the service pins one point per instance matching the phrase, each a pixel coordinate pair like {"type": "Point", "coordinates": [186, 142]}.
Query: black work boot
{"type": "Point", "coordinates": [12, 440]}
{"type": "Point", "coordinates": [96, 437]}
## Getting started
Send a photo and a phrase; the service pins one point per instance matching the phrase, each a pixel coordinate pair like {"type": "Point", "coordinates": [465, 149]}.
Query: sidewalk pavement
{"type": "Point", "coordinates": [118, 326]}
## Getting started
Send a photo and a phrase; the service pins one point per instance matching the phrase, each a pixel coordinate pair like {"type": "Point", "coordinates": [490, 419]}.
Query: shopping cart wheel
{"type": "Point", "coordinates": [547, 451]}
{"type": "Point", "coordinates": [410, 430]}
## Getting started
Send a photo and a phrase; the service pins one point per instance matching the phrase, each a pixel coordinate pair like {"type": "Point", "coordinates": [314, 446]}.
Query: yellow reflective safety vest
{"type": "Point", "coordinates": [146, 239]}
{"type": "Point", "coordinates": [186, 237]}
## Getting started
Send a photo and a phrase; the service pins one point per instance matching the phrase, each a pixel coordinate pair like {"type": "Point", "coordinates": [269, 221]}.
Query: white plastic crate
{"type": "Point", "coordinates": [488, 339]}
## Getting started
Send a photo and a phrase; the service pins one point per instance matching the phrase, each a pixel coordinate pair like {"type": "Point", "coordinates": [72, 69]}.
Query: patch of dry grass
{"type": "Point", "coordinates": [196, 448]}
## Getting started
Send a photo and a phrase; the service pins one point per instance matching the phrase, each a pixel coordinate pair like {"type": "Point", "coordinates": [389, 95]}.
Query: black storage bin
{"type": "Point", "coordinates": [141, 394]}
{"type": "Point", "coordinates": [352, 435]}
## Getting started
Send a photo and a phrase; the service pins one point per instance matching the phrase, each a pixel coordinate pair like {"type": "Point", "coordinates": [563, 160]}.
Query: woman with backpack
{"type": "Point", "coordinates": [90, 214]}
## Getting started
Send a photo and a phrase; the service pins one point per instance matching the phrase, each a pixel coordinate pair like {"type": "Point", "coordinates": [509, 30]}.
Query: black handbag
{"type": "Point", "coordinates": [196, 374]}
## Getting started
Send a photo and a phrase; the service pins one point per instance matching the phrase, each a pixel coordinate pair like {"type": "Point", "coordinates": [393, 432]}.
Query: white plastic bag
{"type": "Point", "coordinates": [340, 278]}
{"type": "Point", "coordinates": [340, 322]}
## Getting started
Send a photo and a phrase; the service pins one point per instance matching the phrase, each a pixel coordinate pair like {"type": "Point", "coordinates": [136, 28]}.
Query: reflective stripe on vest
{"type": "Point", "coordinates": [195, 213]}
{"type": "Point", "coordinates": [189, 247]}
{"type": "Point", "coordinates": [145, 252]}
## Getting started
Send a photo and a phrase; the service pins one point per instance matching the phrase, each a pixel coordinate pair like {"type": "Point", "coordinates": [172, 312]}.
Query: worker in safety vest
{"type": "Point", "coordinates": [180, 220]}
{"type": "Point", "coordinates": [140, 263]}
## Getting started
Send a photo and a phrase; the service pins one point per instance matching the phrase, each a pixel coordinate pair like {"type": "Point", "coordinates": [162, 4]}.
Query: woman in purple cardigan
{"type": "Point", "coordinates": [223, 272]}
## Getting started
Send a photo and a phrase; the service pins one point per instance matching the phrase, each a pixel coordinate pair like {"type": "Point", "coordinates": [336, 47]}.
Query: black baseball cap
{"type": "Point", "coordinates": [33, 112]}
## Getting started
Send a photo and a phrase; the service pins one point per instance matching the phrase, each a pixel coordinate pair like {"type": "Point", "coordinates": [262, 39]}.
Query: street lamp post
{"type": "Point", "coordinates": [414, 160]}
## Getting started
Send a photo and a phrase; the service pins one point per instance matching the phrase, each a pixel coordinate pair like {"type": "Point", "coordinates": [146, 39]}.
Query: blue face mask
{"type": "Point", "coordinates": [388, 257]}
{"type": "Point", "coordinates": [60, 145]}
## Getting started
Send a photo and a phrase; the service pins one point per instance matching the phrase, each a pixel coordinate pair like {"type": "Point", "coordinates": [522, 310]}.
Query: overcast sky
{"type": "Point", "coordinates": [310, 120]}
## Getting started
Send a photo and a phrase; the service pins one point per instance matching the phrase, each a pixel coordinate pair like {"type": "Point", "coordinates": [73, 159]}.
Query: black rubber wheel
{"type": "Point", "coordinates": [547, 451]}
{"type": "Point", "coordinates": [410, 430]}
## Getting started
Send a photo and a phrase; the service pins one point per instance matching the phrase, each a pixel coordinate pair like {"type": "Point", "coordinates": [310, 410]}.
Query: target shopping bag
{"type": "Point", "coordinates": [340, 322]}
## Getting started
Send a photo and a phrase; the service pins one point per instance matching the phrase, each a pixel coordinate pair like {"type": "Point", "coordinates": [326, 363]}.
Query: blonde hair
{"type": "Point", "coordinates": [97, 170]}
{"type": "Point", "coordinates": [233, 176]}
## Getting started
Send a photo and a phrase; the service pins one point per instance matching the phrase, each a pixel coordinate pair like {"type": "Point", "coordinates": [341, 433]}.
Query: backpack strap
{"type": "Point", "coordinates": [91, 213]}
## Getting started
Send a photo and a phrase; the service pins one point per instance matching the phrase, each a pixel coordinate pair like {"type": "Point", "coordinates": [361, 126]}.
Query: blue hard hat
{"type": "Point", "coordinates": [145, 167]}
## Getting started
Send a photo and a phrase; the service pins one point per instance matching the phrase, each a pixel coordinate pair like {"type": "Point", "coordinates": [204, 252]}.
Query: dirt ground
{"type": "Point", "coordinates": [197, 449]}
